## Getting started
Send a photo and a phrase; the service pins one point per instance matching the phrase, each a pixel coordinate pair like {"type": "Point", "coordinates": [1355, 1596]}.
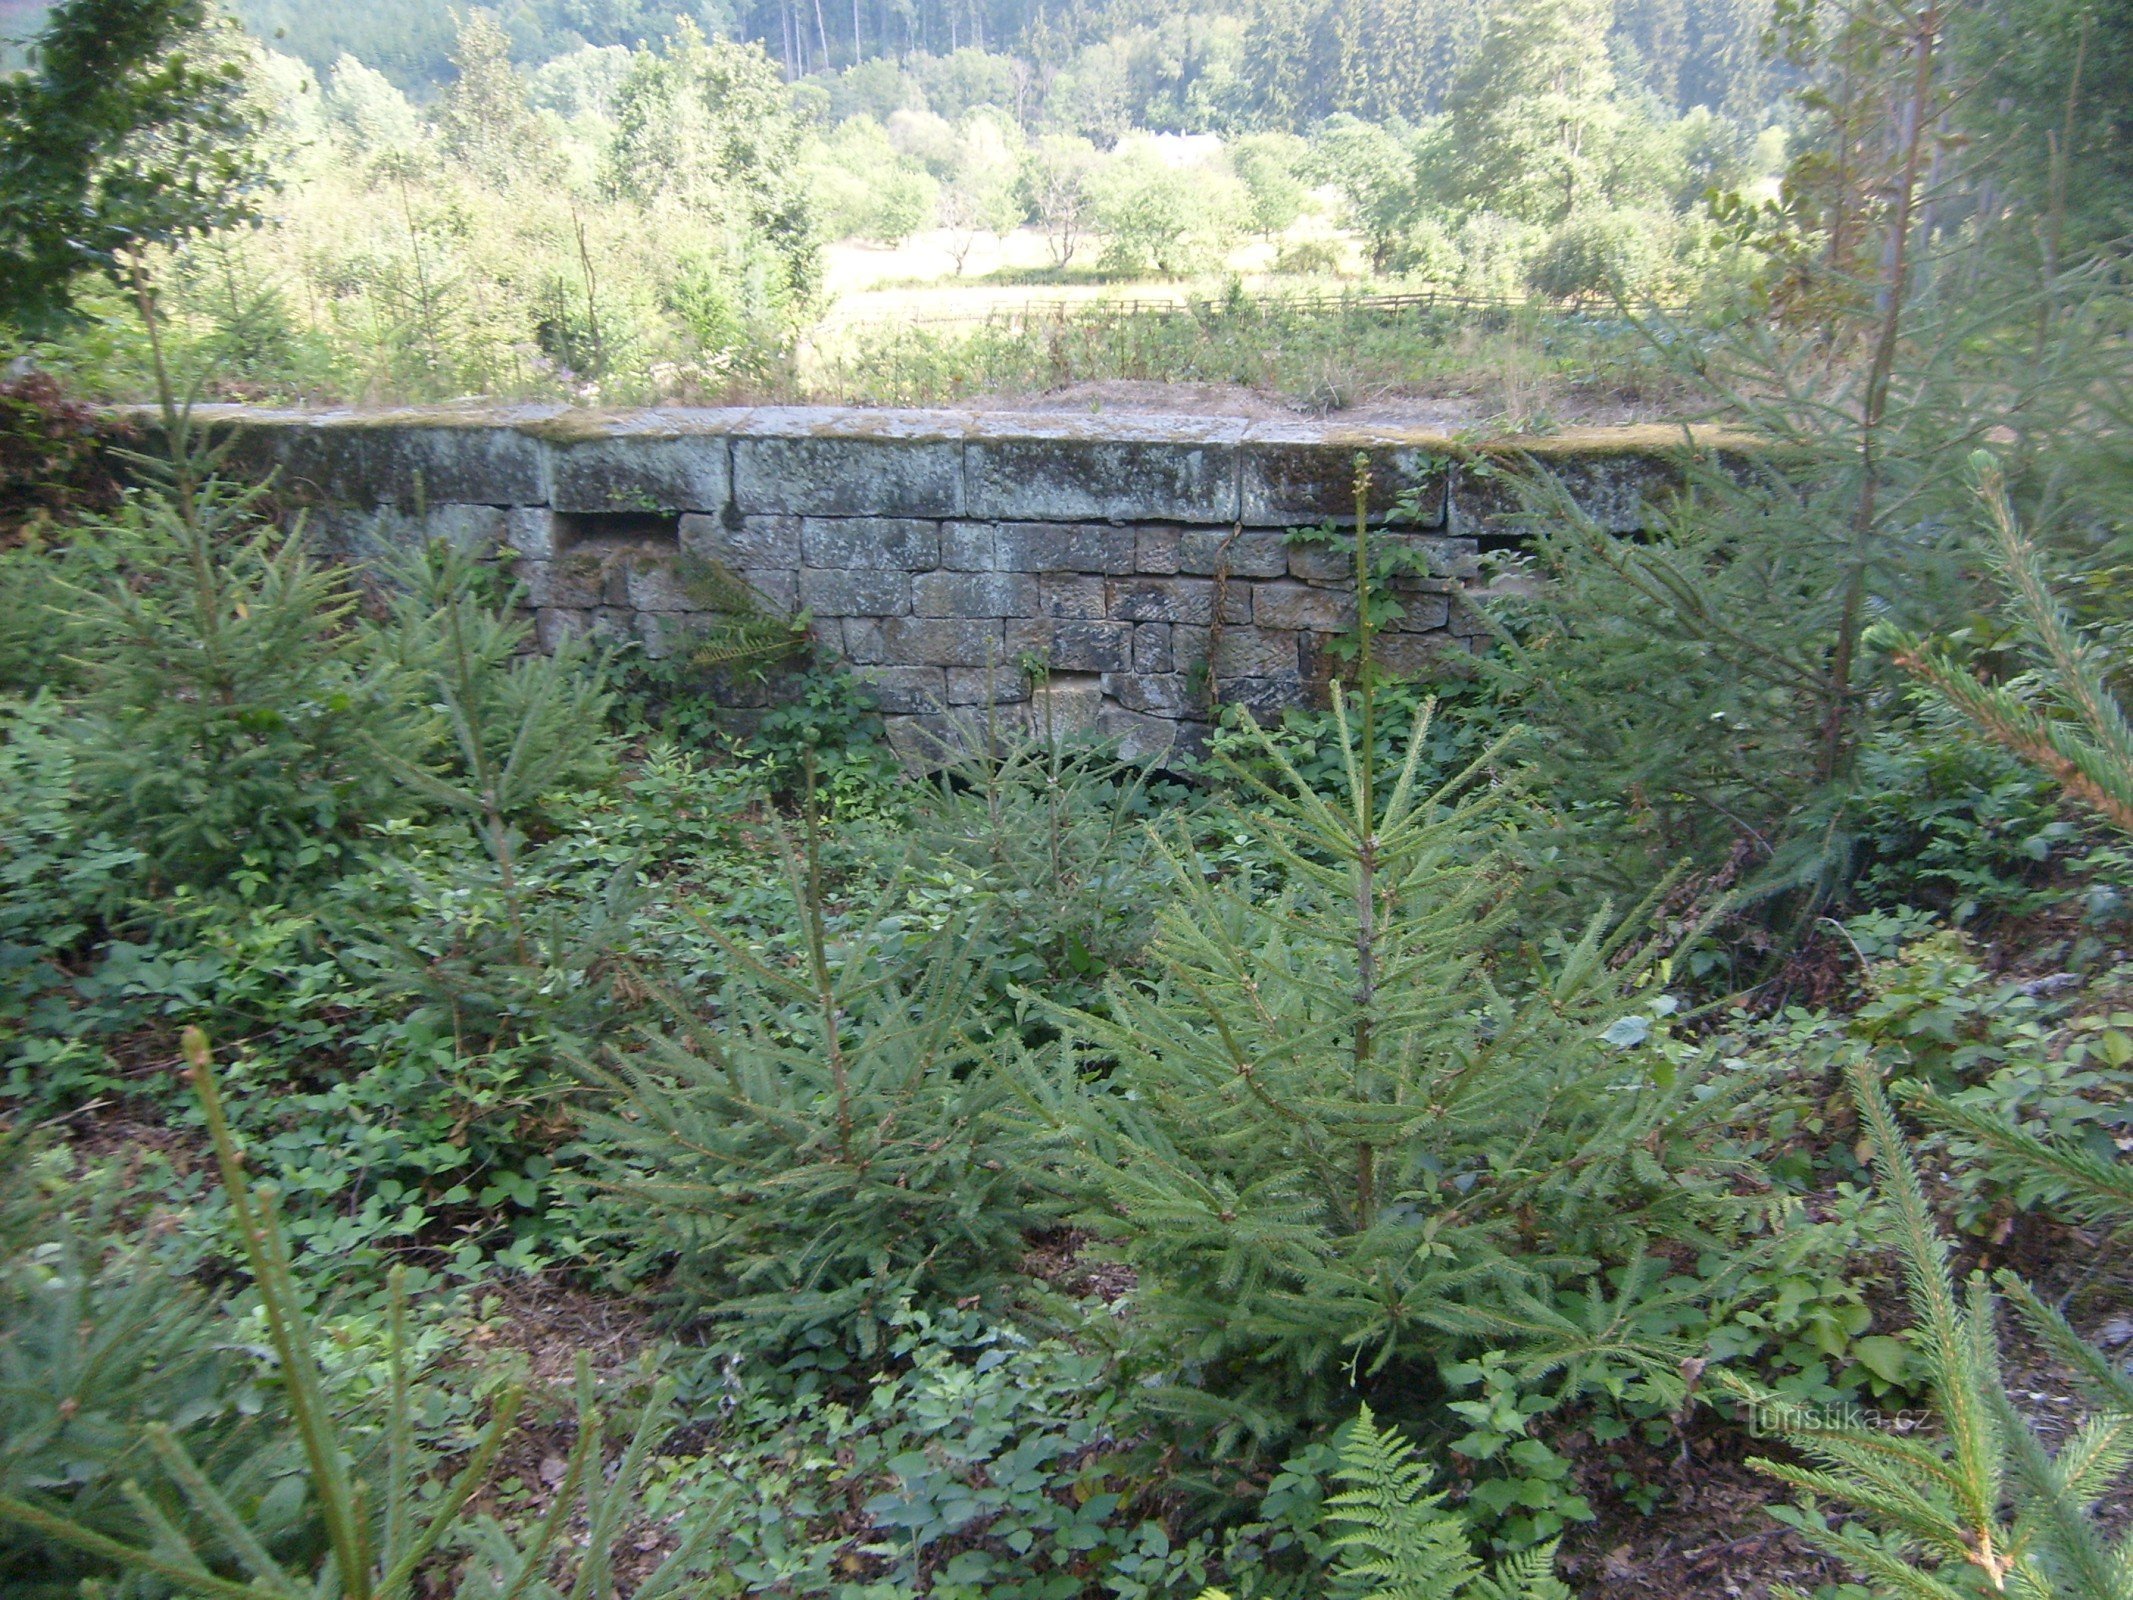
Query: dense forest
{"type": "Point", "coordinates": [1632, 1101]}
{"type": "Point", "coordinates": [1176, 68]}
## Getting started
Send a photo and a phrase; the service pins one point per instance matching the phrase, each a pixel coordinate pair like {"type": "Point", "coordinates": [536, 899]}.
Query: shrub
{"type": "Point", "coordinates": [835, 1144]}
{"type": "Point", "coordinates": [1338, 1133]}
{"type": "Point", "coordinates": [99, 1342]}
{"type": "Point", "coordinates": [393, 1527]}
{"type": "Point", "coordinates": [228, 722]}
{"type": "Point", "coordinates": [1601, 255]}
{"type": "Point", "coordinates": [1043, 849]}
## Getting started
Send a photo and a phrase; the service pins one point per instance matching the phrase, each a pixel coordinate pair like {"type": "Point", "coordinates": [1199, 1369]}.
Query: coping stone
{"type": "Point", "coordinates": [848, 462]}
{"type": "Point", "coordinates": [1119, 469]}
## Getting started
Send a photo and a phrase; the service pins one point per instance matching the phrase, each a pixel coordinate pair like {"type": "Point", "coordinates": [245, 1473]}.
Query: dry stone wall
{"type": "Point", "coordinates": [1121, 574]}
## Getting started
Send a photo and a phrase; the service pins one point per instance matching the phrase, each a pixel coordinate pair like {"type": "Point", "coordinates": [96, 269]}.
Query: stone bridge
{"type": "Point", "coordinates": [1120, 573]}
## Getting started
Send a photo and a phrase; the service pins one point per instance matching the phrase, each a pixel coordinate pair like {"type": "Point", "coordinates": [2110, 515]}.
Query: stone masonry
{"type": "Point", "coordinates": [1119, 574]}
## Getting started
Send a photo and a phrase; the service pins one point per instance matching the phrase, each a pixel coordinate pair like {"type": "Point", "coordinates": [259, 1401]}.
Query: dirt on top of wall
{"type": "Point", "coordinates": [1573, 405]}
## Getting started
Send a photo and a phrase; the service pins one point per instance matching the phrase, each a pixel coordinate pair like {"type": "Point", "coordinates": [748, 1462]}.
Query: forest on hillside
{"type": "Point", "coordinates": [628, 203]}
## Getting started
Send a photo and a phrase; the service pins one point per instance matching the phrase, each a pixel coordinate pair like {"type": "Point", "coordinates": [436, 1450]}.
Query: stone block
{"type": "Point", "coordinates": [616, 624]}
{"type": "Point", "coordinates": [741, 542]}
{"type": "Point", "coordinates": [779, 592]}
{"type": "Point", "coordinates": [846, 464]}
{"type": "Point", "coordinates": [974, 594]}
{"type": "Point", "coordinates": [1253, 653]}
{"type": "Point", "coordinates": [1465, 621]}
{"type": "Point", "coordinates": [1066, 705]}
{"type": "Point", "coordinates": [1265, 698]}
{"type": "Point", "coordinates": [1138, 737]}
{"type": "Point", "coordinates": [944, 642]}
{"type": "Point", "coordinates": [386, 533]}
{"type": "Point", "coordinates": [530, 530]}
{"type": "Point", "coordinates": [1307, 479]}
{"type": "Point", "coordinates": [1062, 547]}
{"type": "Point", "coordinates": [1155, 550]}
{"type": "Point", "coordinates": [1156, 694]}
{"type": "Point", "coordinates": [1071, 598]}
{"type": "Point", "coordinates": [1419, 655]}
{"type": "Point", "coordinates": [968, 547]}
{"type": "Point", "coordinates": [666, 633]}
{"type": "Point", "coordinates": [899, 544]}
{"type": "Point", "coordinates": [1190, 600]}
{"type": "Point", "coordinates": [575, 581]}
{"type": "Point", "coordinates": [1299, 606]}
{"type": "Point", "coordinates": [1420, 613]}
{"type": "Point", "coordinates": [1445, 558]}
{"type": "Point", "coordinates": [908, 688]}
{"type": "Point", "coordinates": [1151, 648]}
{"type": "Point", "coordinates": [926, 739]}
{"type": "Point", "coordinates": [1121, 469]}
{"type": "Point", "coordinates": [1252, 553]}
{"type": "Point", "coordinates": [554, 624]}
{"type": "Point", "coordinates": [1073, 646]}
{"type": "Point", "coordinates": [651, 583]}
{"type": "Point", "coordinates": [846, 593]}
{"type": "Point", "coordinates": [378, 461]}
{"type": "Point", "coordinates": [858, 638]}
{"type": "Point", "coordinates": [637, 472]}
{"type": "Point", "coordinates": [1188, 646]}
{"type": "Point", "coordinates": [1613, 487]}
{"type": "Point", "coordinates": [976, 686]}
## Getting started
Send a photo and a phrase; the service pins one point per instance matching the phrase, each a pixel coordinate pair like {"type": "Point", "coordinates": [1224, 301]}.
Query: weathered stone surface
{"type": "Point", "coordinates": [554, 624]}
{"type": "Point", "coordinates": [1265, 698]}
{"type": "Point", "coordinates": [1297, 473]}
{"type": "Point", "coordinates": [968, 547]}
{"type": "Point", "coordinates": [909, 688]}
{"type": "Point", "coordinates": [935, 546]}
{"type": "Point", "coordinates": [1073, 646]}
{"type": "Point", "coordinates": [1136, 469]}
{"type": "Point", "coordinates": [357, 460]}
{"type": "Point", "coordinates": [849, 464]}
{"type": "Point", "coordinates": [1253, 653]}
{"type": "Point", "coordinates": [944, 642]}
{"type": "Point", "coordinates": [666, 633]}
{"type": "Point", "coordinates": [571, 581]}
{"type": "Point", "coordinates": [1159, 694]}
{"type": "Point", "coordinates": [1611, 486]}
{"type": "Point", "coordinates": [1446, 558]}
{"type": "Point", "coordinates": [1155, 550]}
{"type": "Point", "coordinates": [530, 531]}
{"type": "Point", "coordinates": [652, 583]}
{"type": "Point", "coordinates": [777, 592]}
{"type": "Point", "coordinates": [742, 541]}
{"type": "Point", "coordinates": [1139, 738]}
{"type": "Point", "coordinates": [974, 594]}
{"type": "Point", "coordinates": [634, 472]}
{"type": "Point", "coordinates": [1176, 600]}
{"type": "Point", "coordinates": [1066, 705]}
{"type": "Point", "coordinates": [1062, 547]}
{"type": "Point", "coordinates": [899, 544]}
{"type": "Point", "coordinates": [1151, 648]}
{"type": "Point", "coordinates": [387, 532]}
{"type": "Point", "coordinates": [841, 592]}
{"type": "Point", "coordinates": [976, 686]}
{"type": "Point", "coordinates": [1070, 598]}
{"type": "Point", "coordinates": [1300, 606]}
{"type": "Point", "coordinates": [859, 639]}
{"type": "Point", "coordinates": [1414, 655]}
{"type": "Point", "coordinates": [1251, 553]}
{"type": "Point", "coordinates": [1420, 613]}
